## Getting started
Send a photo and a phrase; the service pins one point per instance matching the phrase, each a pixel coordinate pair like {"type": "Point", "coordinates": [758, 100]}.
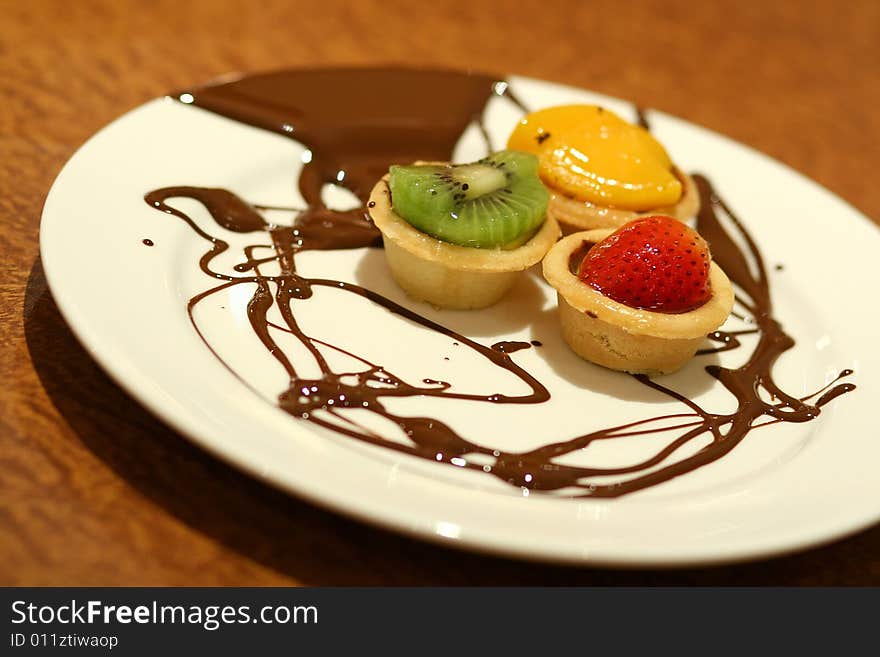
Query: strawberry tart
{"type": "Point", "coordinates": [640, 299]}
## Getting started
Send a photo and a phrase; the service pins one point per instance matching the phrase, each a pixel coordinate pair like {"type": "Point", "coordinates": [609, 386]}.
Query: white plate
{"type": "Point", "coordinates": [787, 486]}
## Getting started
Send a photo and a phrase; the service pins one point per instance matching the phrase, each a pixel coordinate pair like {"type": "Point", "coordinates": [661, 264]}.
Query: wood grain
{"type": "Point", "coordinates": [94, 490]}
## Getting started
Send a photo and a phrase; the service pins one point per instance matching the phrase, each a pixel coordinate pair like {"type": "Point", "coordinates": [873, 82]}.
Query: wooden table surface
{"type": "Point", "coordinates": [95, 490]}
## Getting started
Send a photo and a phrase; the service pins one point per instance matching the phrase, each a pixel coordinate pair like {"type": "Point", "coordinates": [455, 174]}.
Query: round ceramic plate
{"type": "Point", "coordinates": [785, 486]}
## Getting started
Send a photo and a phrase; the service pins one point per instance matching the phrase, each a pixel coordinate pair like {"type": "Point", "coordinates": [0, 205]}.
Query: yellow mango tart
{"type": "Point", "coordinates": [601, 170]}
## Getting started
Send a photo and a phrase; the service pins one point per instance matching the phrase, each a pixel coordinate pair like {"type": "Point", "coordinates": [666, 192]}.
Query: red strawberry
{"type": "Point", "coordinates": [656, 263]}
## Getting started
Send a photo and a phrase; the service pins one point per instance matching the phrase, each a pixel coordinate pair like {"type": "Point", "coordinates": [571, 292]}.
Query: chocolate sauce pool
{"type": "Point", "coordinates": [355, 124]}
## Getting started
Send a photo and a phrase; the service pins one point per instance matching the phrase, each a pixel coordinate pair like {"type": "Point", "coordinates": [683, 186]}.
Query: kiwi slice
{"type": "Point", "coordinates": [498, 201]}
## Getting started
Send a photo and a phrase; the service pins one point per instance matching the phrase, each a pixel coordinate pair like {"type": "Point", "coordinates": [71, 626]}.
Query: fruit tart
{"type": "Point", "coordinates": [601, 170]}
{"type": "Point", "coordinates": [640, 299]}
{"type": "Point", "coordinates": [457, 235]}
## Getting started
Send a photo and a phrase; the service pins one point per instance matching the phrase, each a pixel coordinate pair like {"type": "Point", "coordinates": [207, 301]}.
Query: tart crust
{"type": "Point", "coordinates": [448, 275]}
{"type": "Point", "coordinates": [619, 337]}
{"type": "Point", "coordinates": [574, 215]}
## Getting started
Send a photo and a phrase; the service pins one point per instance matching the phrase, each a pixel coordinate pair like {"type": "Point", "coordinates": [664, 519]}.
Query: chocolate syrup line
{"type": "Point", "coordinates": [826, 386]}
{"type": "Point", "coordinates": [279, 208]}
{"type": "Point", "coordinates": [512, 97]}
{"type": "Point", "coordinates": [728, 340]}
{"type": "Point", "coordinates": [190, 310]}
{"type": "Point", "coordinates": [323, 400]}
{"type": "Point", "coordinates": [510, 346]}
{"type": "Point", "coordinates": [251, 262]}
{"type": "Point", "coordinates": [750, 319]}
{"type": "Point", "coordinates": [582, 442]}
{"type": "Point", "coordinates": [484, 132]}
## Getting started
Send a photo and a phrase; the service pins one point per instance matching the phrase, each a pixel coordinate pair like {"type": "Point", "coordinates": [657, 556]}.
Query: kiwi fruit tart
{"type": "Point", "coordinates": [456, 235]}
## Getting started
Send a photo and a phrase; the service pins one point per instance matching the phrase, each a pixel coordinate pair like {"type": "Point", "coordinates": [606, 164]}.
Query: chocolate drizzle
{"type": "Point", "coordinates": [511, 346]}
{"type": "Point", "coordinates": [356, 123]}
